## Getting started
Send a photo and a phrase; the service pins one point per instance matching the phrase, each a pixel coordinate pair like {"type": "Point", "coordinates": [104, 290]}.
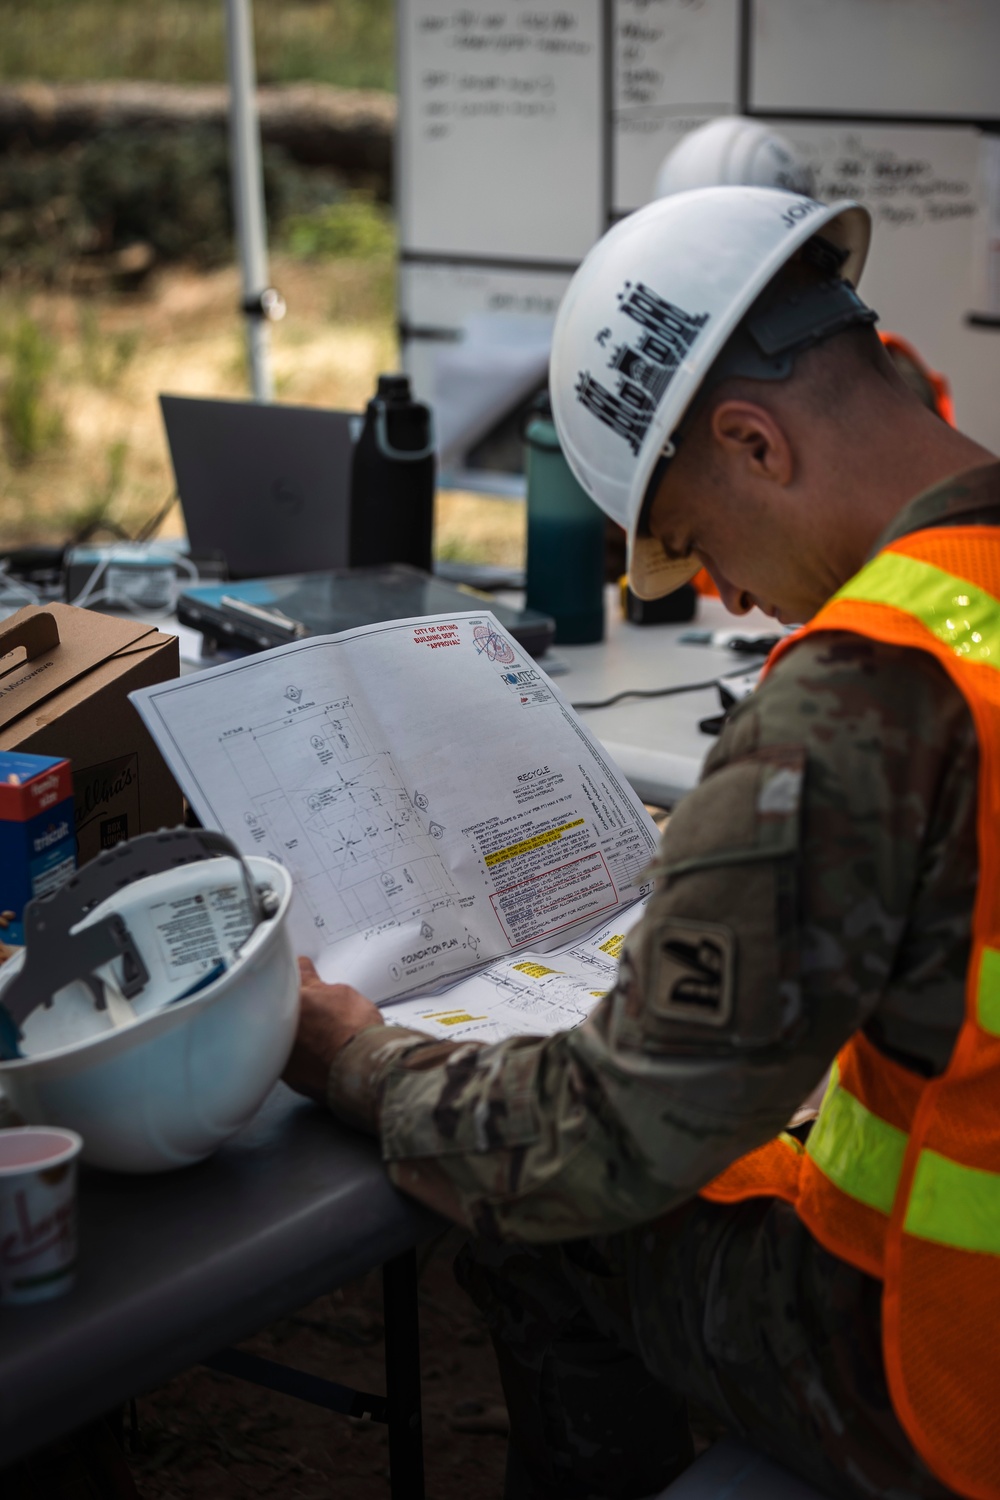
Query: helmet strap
{"type": "Point", "coordinates": [778, 328]}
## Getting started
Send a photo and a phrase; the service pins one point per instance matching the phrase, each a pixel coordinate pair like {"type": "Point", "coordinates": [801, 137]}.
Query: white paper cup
{"type": "Point", "coordinates": [37, 1212]}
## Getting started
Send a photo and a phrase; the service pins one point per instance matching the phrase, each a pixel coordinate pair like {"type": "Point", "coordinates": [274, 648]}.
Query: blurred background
{"type": "Point", "coordinates": [117, 270]}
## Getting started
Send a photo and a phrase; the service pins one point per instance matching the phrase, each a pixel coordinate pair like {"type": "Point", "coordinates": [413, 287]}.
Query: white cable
{"type": "Point", "coordinates": [86, 593]}
{"type": "Point", "coordinates": [14, 591]}
{"type": "Point", "coordinates": [87, 597]}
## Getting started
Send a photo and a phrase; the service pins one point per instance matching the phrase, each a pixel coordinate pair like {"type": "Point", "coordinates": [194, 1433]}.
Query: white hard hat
{"type": "Point", "coordinates": [646, 316]}
{"type": "Point", "coordinates": [733, 152]}
{"type": "Point", "coordinates": [156, 1000]}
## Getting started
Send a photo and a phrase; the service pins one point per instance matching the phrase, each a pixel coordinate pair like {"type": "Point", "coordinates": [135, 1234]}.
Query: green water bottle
{"type": "Point", "coordinates": [565, 573]}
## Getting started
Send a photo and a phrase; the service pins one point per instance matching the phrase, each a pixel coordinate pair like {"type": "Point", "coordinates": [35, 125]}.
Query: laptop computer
{"type": "Point", "coordinates": [268, 486]}
{"type": "Point", "coordinates": [259, 613]}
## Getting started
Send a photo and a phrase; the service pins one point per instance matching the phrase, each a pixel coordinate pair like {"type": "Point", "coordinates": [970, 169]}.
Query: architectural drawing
{"type": "Point", "coordinates": [333, 809]}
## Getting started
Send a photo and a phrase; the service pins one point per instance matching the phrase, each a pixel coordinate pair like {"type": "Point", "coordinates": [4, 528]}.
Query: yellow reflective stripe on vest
{"type": "Point", "coordinates": [861, 1153]}
{"type": "Point", "coordinates": [961, 616]}
{"type": "Point", "coordinates": [988, 996]}
{"type": "Point", "coordinates": [954, 1205]}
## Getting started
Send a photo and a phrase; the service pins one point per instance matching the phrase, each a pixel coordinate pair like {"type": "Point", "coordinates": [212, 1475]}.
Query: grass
{"type": "Point", "coordinates": [31, 424]}
{"type": "Point", "coordinates": [81, 443]}
{"type": "Point", "coordinates": [344, 42]}
{"type": "Point", "coordinates": [94, 370]}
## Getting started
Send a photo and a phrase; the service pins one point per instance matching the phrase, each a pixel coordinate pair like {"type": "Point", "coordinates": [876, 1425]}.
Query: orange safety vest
{"type": "Point", "coordinates": [900, 1175]}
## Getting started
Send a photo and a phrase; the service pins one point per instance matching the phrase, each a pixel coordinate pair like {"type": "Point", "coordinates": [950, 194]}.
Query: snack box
{"type": "Point", "coordinates": [37, 838]}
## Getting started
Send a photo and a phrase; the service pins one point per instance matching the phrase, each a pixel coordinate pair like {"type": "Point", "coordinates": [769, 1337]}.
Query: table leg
{"type": "Point", "coordinates": [402, 1375]}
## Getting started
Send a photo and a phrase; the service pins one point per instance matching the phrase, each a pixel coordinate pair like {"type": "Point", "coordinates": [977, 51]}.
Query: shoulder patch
{"type": "Point", "coordinates": [693, 973]}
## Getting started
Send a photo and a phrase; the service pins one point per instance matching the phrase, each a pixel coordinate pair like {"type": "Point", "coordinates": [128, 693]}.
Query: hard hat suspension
{"type": "Point", "coordinates": [780, 326]}
{"type": "Point", "coordinates": [58, 950]}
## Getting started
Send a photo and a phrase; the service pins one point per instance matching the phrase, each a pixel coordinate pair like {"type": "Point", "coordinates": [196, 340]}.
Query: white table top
{"type": "Point", "coordinates": [656, 741]}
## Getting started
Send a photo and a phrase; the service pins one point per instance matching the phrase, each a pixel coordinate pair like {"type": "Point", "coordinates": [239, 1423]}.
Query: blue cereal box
{"type": "Point", "coordinates": [37, 841]}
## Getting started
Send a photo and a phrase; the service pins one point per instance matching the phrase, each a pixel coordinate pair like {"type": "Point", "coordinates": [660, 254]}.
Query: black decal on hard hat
{"type": "Point", "coordinates": [617, 412]}
{"type": "Point", "coordinates": [677, 329]}
{"type": "Point", "coordinates": [645, 369]}
{"type": "Point", "coordinates": [653, 376]}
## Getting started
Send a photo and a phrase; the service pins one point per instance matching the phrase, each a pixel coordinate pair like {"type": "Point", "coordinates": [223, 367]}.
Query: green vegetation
{"type": "Point", "coordinates": [117, 274]}
{"type": "Point", "coordinates": [104, 358]}
{"type": "Point", "coordinates": [101, 497]}
{"type": "Point", "coordinates": [357, 228]}
{"type": "Point", "coordinates": [360, 234]}
{"type": "Point", "coordinates": [30, 424]}
{"type": "Point", "coordinates": [345, 42]}
{"type": "Point", "coordinates": [166, 189]}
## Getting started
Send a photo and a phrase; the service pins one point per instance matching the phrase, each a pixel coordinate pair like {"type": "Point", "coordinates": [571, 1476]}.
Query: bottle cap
{"type": "Point", "coordinates": [394, 387]}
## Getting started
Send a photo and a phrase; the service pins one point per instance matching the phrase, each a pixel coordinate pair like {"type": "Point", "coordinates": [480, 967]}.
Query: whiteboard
{"type": "Point", "coordinates": [921, 185]}
{"type": "Point", "coordinates": [475, 343]}
{"type": "Point", "coordinates": [440, 298]}
{"type": "Point", "coordinates": [876, 57]}
{"type": "Point", "coordinates": [676, 66]}
{"type": "Point", "coordinates": [494, 228]}
{"type": "Point", "coordinates": [641, 144]}
{"type": "Point", "coordinates": [503, 108]}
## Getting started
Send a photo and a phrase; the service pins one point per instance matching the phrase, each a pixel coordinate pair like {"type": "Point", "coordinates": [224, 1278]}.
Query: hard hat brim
{"type": "Point", "coordinates": [651, 573]}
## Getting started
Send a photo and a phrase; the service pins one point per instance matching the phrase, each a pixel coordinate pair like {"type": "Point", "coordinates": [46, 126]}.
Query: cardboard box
{"type": "Point", "coordinates": [65, 693]}
{"type": "Point", "coordinates": [37, 841]}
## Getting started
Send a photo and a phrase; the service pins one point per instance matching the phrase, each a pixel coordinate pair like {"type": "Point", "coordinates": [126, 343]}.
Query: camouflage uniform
{"type": "Point", "coordinates": [819, 880]}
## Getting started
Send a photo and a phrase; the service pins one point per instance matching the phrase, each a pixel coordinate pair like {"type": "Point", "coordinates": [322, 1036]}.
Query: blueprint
{"type": "Point", "coordinates": [533, 994]}
{"type": "Point", "coordinates": [437, 802]}
{"type": "Point", "coordinates": [318, 792]}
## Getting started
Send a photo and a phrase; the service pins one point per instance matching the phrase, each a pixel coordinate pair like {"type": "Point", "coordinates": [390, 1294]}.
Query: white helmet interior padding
{"type": "Point", "coordinates": [59, 951]}
{"type": "Point", "coordinates": [155, 1002]}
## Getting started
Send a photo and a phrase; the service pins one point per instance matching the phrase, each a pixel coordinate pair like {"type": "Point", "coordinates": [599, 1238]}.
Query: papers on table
{"type": "Point", "coordinates": [442, 810]}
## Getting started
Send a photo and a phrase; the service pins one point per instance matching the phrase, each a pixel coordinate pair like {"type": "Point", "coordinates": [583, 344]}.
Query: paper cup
{"type": "Point", "coordinates": [37, 1212]}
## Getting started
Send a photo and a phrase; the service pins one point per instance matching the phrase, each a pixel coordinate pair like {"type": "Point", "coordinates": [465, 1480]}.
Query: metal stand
{"type": "Point", "coordinates": [400, 1409]}
{"type": "Point", "coordinates": [248, 191]}
{"type": "Point", "coordinates": [402, 1373]}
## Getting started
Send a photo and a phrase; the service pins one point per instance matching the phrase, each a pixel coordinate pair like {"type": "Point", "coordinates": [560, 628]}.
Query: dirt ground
{"type": "Point", "coordinates": [106, 356]}
{"type": "Point", "coordinates": [205, 1435]}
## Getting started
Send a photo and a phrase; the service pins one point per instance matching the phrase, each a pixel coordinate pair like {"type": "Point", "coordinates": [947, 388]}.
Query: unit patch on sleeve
{"type": "Point", "coordinates": [693, 972]}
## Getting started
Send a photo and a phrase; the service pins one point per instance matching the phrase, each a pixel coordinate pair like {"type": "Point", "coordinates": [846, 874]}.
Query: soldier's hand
{"type": "Point", "coordinates": [329, 1016]}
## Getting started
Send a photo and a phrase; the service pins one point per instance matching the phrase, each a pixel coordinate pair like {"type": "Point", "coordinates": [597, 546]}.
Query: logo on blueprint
{"type": "Point", "coordinates": [491, 644]}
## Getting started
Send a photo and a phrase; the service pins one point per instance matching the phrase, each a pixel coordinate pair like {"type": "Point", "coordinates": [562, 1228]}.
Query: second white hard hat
{"type": "Point", "coordinates": [644, 319]}
{"type": "Point", "coordinates": [733, 152]}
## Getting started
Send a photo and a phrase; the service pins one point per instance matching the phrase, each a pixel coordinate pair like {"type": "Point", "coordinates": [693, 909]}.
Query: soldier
{"type": "Point", "coordinates": [642, 1229]}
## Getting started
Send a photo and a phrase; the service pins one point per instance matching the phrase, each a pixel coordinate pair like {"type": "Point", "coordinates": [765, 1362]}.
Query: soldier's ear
{"type": "Point", "coordinates": [751, 442]}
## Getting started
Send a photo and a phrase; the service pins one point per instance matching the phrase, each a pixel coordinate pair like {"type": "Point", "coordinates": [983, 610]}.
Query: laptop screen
{"type": "Point", "coordinates": [268, 486]}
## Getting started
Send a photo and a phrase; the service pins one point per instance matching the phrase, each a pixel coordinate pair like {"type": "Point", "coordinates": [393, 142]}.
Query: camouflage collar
{"type": "Point", "coordinates": [972, 495]}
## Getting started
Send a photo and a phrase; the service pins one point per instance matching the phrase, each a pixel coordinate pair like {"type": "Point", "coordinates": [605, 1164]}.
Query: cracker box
{"type": "Point", "coordinates": [37, 841]}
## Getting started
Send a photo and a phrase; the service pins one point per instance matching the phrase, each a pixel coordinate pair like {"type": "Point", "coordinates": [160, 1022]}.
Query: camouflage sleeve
{"type": "Point", "coordinates": [784, 883]}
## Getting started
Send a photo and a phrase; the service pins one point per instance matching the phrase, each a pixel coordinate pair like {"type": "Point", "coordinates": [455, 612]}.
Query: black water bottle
{"type": "Point", "coordinates": [392, 480]}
